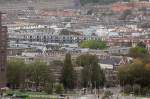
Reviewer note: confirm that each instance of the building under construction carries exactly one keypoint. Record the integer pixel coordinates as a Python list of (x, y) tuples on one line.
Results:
[(3, 53)]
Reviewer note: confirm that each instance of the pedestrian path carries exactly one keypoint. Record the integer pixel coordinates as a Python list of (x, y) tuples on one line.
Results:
[(128, 97), (89, 96)]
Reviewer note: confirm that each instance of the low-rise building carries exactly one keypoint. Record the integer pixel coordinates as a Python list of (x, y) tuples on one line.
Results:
[(110, 65)]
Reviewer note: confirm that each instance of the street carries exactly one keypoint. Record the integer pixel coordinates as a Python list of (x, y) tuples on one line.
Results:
[(84, 97), (96, 97)]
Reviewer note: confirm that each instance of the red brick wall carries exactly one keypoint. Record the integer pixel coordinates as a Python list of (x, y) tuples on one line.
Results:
[(121, 7)]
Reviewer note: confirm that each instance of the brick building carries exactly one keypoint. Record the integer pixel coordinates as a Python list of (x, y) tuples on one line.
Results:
[(123, 6), (3, 53)]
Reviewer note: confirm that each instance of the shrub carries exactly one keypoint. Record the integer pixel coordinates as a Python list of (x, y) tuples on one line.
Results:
[(145, 91), (49, 88), (127, 89), (107, 94), (136, 89), (59, 89)]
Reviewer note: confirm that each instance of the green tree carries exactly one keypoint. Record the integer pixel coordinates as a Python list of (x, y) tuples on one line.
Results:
[(91, 73), (136, 89), (20, 75), (138, 52), (39, 74), (68, 73), (48, 88), (128, 89), (107, 95), (59, 89), (16, 73), (83, 60), (83, 2), (98, 76), (102, 2), (93, 44), (141, 44), (86, 76), (136, 73), (55, 68), (125, 14), (145, 25)]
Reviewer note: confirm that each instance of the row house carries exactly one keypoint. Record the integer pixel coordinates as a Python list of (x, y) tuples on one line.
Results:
[(119, 41), (110, 65), (51, 38), (26, 26), (123, 6), (63, 13)]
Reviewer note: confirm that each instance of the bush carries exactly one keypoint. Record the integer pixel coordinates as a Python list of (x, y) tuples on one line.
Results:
[(49, 88), (107, 94), (93, 44), (127, 89), (136, 89), (145, 91), (59, 89)]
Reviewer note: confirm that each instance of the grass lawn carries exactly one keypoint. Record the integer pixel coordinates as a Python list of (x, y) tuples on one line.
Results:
[(17, 92), (29, 95), (41, 98)]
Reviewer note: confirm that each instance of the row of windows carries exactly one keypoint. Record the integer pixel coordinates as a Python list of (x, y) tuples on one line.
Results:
[(45, 39), (58, 37)]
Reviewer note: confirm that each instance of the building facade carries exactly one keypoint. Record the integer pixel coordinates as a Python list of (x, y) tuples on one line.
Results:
[(3, 53)]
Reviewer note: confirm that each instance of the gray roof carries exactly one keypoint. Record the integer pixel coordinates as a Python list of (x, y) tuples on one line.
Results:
[(110, 60)]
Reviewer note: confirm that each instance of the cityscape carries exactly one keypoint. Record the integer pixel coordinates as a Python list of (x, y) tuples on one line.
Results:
[(74, 49)]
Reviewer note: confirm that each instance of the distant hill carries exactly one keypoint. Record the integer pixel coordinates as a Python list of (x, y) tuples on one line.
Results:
[(36, 3), (83, 2)]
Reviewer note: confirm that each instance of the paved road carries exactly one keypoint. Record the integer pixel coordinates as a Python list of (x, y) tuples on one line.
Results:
[(114, 97), (89, 97), (84, 97), (95, 97)]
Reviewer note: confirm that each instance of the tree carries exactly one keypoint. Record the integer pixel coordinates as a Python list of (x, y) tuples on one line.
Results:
[(49, 88), (141, 44), (107, 95), (136, 73), (59, 89), (136, 89), (39, 74), (16, 73), (20, 75), (83, 60), (68, 73), (98, 77), (93, 44), (91, 73), (145, 25), (128, 88), (86, 76), (125, 14), (138, 52), (83, 2)]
